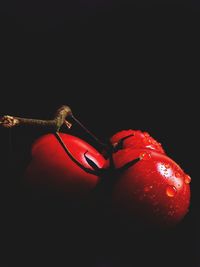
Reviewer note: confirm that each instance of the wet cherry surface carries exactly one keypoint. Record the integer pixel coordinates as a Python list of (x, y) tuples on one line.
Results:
[(154, 187)]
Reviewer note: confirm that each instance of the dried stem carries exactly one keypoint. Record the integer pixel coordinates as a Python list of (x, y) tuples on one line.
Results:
[(8, 121), (54, 125)]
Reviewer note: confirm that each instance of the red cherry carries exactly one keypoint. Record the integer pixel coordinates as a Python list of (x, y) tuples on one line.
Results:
[(154, 189), (52, 168), (136, 139)]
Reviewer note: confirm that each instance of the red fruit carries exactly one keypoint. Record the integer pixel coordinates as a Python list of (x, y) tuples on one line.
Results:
[(136, 139), (52, 168), (154, 189)]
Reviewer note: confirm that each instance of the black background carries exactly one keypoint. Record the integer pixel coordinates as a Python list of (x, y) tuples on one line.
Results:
[(118, 65)]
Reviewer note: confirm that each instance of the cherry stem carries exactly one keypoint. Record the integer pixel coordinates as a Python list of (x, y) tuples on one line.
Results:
[(54, 125), (8, 121), (71, 156), (89, 132)]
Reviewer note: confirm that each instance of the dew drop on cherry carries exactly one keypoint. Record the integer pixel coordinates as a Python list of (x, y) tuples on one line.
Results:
[(167, 166), (177, 174), (145, 155), (146, 134), (171, 191), (146, 140), (187, 179)]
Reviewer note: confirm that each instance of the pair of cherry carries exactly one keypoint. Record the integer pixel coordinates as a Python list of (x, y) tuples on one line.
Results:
[(144, 182)]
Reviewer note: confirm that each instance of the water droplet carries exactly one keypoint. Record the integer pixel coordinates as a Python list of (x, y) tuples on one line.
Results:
[(171, 191), (145, 155), (177, 174), (187, 179), (166, 165), (148, 188)]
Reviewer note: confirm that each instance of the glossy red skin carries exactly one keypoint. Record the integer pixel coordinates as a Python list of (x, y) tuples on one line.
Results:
[(52, 168), (141, 189), (139, 140)]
